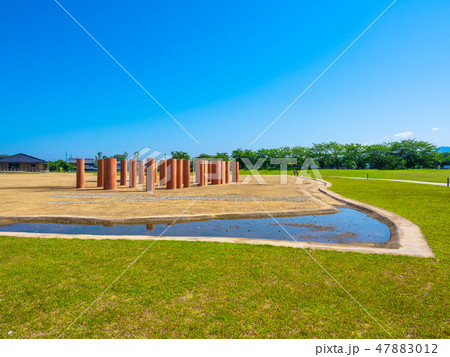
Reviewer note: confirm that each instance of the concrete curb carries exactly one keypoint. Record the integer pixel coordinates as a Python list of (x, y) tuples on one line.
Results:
[(162, 219)]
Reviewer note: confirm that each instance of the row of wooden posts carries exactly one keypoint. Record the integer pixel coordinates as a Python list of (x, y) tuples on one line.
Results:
[(173, 173)]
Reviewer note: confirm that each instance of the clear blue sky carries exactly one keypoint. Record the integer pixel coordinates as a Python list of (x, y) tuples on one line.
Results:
[(225, 70)]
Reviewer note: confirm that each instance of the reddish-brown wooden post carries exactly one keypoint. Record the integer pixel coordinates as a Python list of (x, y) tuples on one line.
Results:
[(235, 172), (133, 164), (80, 173), (155, 172), (110, 174), (162, 172), (202, 173), (150, 175), (222, 178), (227, 172), (141, 172), (123, 172), (100, 173), (187, 173), (171, 174), (214, 173), (196, 168), (210, 171), (179, 173)]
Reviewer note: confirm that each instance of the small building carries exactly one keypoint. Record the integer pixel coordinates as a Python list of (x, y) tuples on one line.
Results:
[(23, 162), (89, 164)]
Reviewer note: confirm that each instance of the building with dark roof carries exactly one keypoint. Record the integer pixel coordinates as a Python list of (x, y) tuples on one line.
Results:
[(23, 162)]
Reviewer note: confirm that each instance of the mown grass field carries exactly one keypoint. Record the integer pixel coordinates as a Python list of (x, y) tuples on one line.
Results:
[(426, 175), (214, 290)]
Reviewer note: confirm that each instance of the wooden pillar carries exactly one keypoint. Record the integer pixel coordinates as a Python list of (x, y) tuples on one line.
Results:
[(123, 172), (80, 173), (235, 172), (186, 173), (227, 172), (110, 174), (162, 172), (100, 173), (196, 168), (222, 176), (171, 172), (132, 167), (179, 173), (141, 172), (216, 172), (151, 163), (202, 173), (210, 171)]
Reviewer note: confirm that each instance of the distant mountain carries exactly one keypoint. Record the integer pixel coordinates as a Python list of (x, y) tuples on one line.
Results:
[(444, 149)]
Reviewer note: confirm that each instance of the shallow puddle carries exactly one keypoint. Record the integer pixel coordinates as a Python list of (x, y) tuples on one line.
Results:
[(346, 226)]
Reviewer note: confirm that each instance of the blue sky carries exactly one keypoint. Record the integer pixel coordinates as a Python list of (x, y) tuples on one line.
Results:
[(224, 70)]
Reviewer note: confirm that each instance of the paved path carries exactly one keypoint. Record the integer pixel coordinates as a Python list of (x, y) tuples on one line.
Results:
[(421, 182)]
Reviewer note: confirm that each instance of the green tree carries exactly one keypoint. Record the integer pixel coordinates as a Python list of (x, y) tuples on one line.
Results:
[(354, 156), (180, 155), (60, 166), (120, 157), (205, 156), (223, 155), (301, 154), (445, 159)]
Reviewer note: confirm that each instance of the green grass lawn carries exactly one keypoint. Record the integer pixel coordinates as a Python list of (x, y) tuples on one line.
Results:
[(427, 175), (214, 290)]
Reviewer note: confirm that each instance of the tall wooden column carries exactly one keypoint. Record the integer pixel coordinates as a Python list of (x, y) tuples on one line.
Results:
[(80, 173), (151, 163), (179, 173), (210, 171), (162, 172), (171, 173), (187, 173), (109, 174), (123, 172), (132, 166), (202, 173), (235, 172), (100, 173), (227, 172), (196, 168), (141, 172)]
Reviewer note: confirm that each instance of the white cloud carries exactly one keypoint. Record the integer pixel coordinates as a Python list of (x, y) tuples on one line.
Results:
[(404, 134), (435, 129)]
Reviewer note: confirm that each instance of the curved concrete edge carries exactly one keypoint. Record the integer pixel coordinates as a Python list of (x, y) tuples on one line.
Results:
[(162, 219), (406, 237), (279, 243)]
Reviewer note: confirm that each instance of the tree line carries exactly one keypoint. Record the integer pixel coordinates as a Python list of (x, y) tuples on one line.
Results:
[(405, 154)]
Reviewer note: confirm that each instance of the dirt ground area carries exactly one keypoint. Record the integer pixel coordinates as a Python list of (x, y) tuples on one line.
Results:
[(54, 195)]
